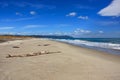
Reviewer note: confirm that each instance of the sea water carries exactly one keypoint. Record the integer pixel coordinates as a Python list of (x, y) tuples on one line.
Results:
[(110, 45)]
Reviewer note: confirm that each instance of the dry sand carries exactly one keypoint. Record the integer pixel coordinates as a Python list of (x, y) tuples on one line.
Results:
[(73, 63)]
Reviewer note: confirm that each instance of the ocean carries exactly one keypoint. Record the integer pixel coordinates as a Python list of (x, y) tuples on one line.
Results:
[(109, 45)]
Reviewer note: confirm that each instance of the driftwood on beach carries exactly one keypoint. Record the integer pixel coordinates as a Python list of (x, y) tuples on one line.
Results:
[(31, 54)]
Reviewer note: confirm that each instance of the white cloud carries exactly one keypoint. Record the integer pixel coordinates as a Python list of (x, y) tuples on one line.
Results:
[(62, 25), (108, 23), (34, 26), (83, 17), (58, 33), (111, 10), (32, 12), (19, 19), (81, 31), (18, 13), (26, 4), (101, 32), (6, 28), (72, 14)]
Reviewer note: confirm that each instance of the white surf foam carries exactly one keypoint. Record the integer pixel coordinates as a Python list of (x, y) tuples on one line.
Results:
[(93, 44)]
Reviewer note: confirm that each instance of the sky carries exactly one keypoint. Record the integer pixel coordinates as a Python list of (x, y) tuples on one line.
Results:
[(78, 18)]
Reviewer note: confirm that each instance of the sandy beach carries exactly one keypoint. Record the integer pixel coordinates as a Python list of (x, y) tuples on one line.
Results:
[(71, 63)]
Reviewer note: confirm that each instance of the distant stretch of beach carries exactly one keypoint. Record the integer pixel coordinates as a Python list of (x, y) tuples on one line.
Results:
[(42, 59)]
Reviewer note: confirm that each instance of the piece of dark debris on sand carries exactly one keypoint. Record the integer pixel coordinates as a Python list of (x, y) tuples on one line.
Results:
[(39, 45), (16, 47), (46, 44)]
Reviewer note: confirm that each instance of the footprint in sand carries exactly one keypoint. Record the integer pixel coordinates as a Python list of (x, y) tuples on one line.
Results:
[(44, 45)]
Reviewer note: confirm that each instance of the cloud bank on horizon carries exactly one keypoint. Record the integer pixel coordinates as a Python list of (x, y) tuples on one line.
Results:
[(111, 10)]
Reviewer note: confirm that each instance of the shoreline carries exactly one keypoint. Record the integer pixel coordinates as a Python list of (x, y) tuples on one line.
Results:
[(106, 50), (100, 53), (71, 63)]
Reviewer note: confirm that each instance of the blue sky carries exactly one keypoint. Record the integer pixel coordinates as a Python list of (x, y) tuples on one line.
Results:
[(79, 18)]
